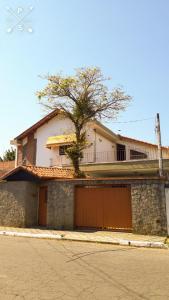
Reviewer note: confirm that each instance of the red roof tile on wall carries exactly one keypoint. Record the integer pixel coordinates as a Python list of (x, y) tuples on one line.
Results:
[(41, 172)]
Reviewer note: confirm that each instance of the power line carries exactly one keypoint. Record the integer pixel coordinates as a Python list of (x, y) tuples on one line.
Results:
[(134, 121)]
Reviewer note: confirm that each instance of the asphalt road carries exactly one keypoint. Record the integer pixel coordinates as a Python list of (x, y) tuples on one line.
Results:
[(48, 269)]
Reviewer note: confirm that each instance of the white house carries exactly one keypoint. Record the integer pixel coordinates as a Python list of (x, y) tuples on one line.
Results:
[(43, 144)]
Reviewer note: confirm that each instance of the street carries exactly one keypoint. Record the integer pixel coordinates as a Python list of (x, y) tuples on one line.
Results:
[(48, 269)]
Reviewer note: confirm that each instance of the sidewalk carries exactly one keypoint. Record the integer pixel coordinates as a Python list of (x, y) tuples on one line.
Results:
[(116, 238)]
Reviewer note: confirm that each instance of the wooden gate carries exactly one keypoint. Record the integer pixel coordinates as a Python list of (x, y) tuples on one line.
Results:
[(42, 214), (103, 207)]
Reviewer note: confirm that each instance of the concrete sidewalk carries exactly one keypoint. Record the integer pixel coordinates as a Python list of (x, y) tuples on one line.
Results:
[(107, 237)]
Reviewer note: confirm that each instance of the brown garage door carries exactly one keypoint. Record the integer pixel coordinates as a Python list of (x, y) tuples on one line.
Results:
[(103, 207)]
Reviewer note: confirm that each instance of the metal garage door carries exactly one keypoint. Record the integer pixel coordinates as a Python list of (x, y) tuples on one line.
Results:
[(103, 207)]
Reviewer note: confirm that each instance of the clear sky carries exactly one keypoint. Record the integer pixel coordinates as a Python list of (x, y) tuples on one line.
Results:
[(127, 39)]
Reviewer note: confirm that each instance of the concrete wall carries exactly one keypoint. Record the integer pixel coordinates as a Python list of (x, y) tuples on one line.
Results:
[(18, 204), (147, 196)]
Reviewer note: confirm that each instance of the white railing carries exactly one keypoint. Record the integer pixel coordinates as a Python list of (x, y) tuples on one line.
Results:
[(107, 157)]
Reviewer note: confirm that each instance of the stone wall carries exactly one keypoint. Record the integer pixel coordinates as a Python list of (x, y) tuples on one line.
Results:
[(60, 210), (147, 197), (18, 204), (31, 204), (149, 208)]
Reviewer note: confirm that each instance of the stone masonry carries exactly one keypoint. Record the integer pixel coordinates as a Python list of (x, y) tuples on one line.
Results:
[(60, 211), (18, 204), (149, 208), (147, 198)]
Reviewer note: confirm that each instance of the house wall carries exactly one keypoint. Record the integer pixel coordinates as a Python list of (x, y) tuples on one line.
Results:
[(27, 156), (56, 126), (148, 204), (18, 204), (19, 155), (105, 149), (59, 126), (151, 151), (31, 150)]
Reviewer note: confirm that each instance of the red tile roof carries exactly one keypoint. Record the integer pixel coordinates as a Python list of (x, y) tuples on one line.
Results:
[(41, 172)]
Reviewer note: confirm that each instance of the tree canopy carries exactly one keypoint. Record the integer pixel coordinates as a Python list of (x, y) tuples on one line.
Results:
[(82, 98), (8, 155)]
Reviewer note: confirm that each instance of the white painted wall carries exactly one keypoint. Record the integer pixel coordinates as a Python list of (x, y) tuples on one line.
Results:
[(167, 207), (59, 126), (151, 151), (56, 126)]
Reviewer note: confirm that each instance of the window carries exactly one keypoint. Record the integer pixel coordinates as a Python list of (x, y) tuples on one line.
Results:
[(137, 155), (62, 149), (121, 152)]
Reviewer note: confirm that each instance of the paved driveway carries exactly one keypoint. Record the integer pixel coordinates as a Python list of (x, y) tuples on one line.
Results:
[(48, 269)]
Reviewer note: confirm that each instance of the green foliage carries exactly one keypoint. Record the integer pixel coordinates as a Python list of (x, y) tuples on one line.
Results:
[(75, 153), (9, 155), (82, 98)]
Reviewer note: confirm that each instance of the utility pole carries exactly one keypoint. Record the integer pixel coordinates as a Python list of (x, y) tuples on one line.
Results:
[(160, 158)]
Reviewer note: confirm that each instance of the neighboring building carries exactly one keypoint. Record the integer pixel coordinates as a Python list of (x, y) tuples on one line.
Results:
[(44, 144), (6, 166)]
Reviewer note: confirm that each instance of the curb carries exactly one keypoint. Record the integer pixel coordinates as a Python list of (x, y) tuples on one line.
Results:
[(31, 235), (155, 245), (121, 242)]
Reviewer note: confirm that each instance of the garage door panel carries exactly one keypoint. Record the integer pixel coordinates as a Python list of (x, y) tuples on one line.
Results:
[(103, 207), (117, 208), (88, 208)]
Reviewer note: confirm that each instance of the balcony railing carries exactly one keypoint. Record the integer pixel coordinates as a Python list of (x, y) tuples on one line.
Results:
[(106, 157)]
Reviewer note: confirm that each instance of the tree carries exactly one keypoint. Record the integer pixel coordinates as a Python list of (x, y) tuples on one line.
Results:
[(82, 98), (9, 155)]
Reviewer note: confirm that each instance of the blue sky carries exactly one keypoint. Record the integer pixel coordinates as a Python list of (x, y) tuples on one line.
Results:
[(127, 39)]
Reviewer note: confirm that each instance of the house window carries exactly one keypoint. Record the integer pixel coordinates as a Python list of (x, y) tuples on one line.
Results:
[(62, 149), (137, 155), (121, 152)]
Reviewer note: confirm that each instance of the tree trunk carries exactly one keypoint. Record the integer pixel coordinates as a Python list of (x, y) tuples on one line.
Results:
[(77, 172), (77, 158)]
